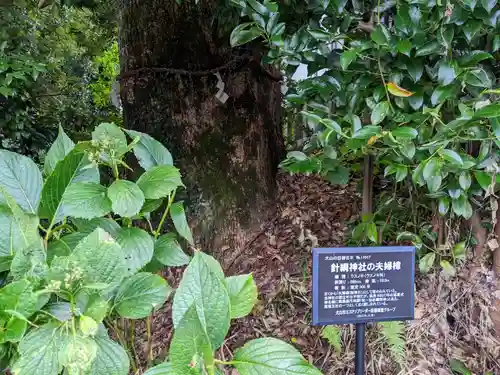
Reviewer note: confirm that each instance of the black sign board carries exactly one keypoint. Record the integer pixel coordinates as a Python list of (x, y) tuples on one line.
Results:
[(363, 284)]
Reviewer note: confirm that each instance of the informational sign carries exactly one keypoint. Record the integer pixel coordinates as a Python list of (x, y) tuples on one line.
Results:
[(363, 284)]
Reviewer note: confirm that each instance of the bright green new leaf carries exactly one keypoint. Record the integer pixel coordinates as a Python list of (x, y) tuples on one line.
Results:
[(203, 287), (427, 262), (85, 200), (126, 198), (21, 179), (141, 294), (137, 248), (245, 33), (58, 151), (111, 139), (111, 358), (88, 326), (448, 271), (458, 367), (242, 294), (180, 222), (271, 356), (149, 152), (160, 181), (459, 251), (333, 335), (331, 124), (168, 251), (347, 57), (451, 156), (379, 113)]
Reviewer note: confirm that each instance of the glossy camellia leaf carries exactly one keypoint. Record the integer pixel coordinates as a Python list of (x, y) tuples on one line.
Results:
[(428, 48), (398, 91), (446, 73), (367, 132), (21, 179), (489, 4), (180, 222), (405, 132), (110, 359), (434, 183), (242, 294), (347, 57), (160, 181), (168, 251), (149, 152), (244, 33), (404, 46), (58, 151), (379, 113), (484, 179), (86, 200), (465, 180), (203, 287), (111, 139), (490, 111), (271, 356), (73, 168), (137, 247), (451, 156), (140, 294), (39, 351), (126, 198)]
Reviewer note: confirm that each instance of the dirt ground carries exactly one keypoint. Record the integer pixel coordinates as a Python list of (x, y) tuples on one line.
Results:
[(452, 316)]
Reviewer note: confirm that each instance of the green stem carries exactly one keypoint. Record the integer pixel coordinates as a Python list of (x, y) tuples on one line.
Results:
[(164, 216)]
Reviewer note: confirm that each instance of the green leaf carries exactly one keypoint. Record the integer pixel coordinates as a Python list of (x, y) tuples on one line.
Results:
[(160, 181), (429, 48), (405, 132), (242, 295), (408, 149), (434, 183), (441, 93), (459, 251), (70, 170), (484, 179), (245, 33), (371, 232), (126, 198), (431, 168), (258, 7), (202, 286), (111, 139), (474, 57), (459, 204), (489, 111), (451, 156), (488, 4), (446, 73), (140, 294), (367, 132), (444, 205), (149, 152), (21, 179), (298, 155), (100, 258), (180, 222), (447, 35), (111, 358), (97, 308), (415, 69), (458, 367), (347, 57), (338, 176), (332, 334), (401, 173), (331, 124), (426, 262), (404, 46), (448, 270), (168, 251), (85, 200), (18, 230), (379, 113), (165, 368), (88, 226), (58, 151), (416, 101), (20, 297), (471, 29), (29, 262), (465, 180), (137, 248), (39, 351), (271, 356), (379, 35), (88, 326), (14, 330)]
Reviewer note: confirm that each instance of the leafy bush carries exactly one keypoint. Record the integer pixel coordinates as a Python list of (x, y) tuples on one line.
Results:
[(411, 84), (60, 291)]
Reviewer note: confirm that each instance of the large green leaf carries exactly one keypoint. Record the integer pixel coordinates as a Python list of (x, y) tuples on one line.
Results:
[(379, 113), (86, 200), (149, 152), (405, 132), (140, 294), (64, 245), (273, 357), (452, 156), (18, 296), (126, 198), (180, 222), (77, 353), (137, 248), (88, 226), (29, 262), (14, 330), (21, 179), (111, 358), (73, 168), (39, 351), (202, 286), (242, 295), (58, 151), (100, 259), (245, 33), (111, 139), (490, 111), (446, 73), (367, 132), (168, 251), (17, 229), (160, 181)]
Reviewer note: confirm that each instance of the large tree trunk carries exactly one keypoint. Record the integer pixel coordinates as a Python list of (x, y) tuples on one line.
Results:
[(228, 152)]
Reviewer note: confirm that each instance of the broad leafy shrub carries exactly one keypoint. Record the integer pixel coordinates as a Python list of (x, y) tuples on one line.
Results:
[(72, 265)]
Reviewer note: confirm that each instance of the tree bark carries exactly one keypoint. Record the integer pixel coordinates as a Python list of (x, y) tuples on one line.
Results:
[(228, 152)]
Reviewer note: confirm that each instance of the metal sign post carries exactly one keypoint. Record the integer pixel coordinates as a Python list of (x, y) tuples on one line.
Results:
[(359, 285)]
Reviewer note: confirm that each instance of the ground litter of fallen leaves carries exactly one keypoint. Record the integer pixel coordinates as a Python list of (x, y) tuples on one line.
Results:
[(452, 319)]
